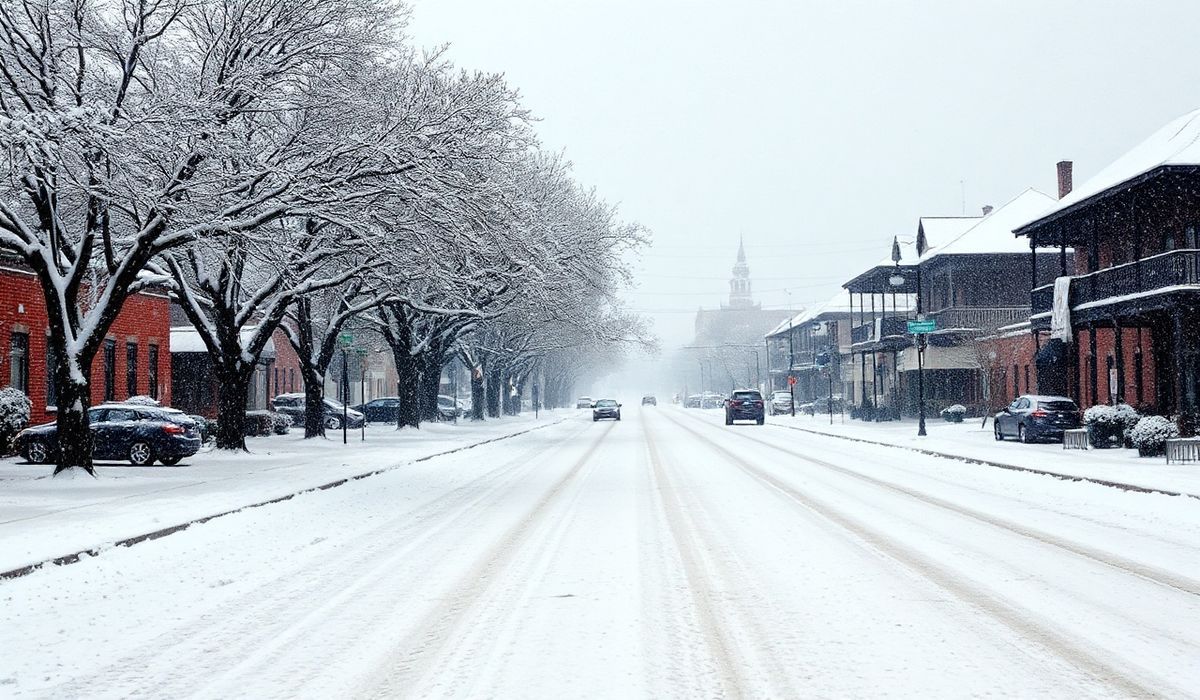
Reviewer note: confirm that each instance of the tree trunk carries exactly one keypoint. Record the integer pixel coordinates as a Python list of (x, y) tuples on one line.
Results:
[(431, 381), (232, 386), (477, 393), (493, 391), (408, 389), (74, 434), (314, 401)]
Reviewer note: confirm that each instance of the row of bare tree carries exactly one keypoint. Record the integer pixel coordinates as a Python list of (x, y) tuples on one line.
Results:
[(298, 166)]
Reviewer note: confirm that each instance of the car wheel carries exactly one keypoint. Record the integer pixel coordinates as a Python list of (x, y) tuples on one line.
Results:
[(333, 423), (141, 454), (170, 461), (996, 430), (37, 453), (594, 419), (1022, 435)]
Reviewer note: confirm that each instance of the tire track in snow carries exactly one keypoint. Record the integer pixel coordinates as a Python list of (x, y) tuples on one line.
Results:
[(1018, 620), (282, 607), (701, 571), (1150, 573), (412, 656)]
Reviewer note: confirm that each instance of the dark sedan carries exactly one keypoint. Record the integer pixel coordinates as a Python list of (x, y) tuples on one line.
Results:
[(381, 410), (140, 434), (744, 404), (606, 408), (1032, 418)]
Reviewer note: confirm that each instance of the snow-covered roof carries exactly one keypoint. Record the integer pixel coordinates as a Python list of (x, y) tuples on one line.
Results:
[(940, 230), (993, 233), (837, 304), (785, 324), (1176, 144), (187, 339)]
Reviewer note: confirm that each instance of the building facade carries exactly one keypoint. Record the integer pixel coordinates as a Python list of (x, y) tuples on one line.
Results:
[(133, 360)]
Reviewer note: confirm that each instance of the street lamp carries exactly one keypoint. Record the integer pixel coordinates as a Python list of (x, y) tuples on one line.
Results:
[(896, 280), (791, 355)]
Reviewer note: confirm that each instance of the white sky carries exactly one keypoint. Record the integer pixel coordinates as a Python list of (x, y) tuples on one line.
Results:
[(819, 129)]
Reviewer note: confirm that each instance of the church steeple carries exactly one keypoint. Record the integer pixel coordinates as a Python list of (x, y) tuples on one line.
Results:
[(739, 285)]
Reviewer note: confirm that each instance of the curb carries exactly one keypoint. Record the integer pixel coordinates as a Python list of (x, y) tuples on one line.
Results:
[(1000, 465), (77, 556)]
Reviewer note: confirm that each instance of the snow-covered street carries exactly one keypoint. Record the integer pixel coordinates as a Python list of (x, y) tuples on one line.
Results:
[(664, 555)]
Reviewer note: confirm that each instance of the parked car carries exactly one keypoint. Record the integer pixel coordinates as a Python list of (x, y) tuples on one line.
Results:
[(712, 401), (293, 405), (649, 401), (606, 408), (693, 401), (380, 410), (138, 433), (1031, 418), (781, 402), (744, 404), (449, 407), (584, 402)]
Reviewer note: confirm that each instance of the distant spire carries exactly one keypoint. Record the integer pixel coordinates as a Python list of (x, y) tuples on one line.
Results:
[(896, 255), (739, 285), (741, 249)]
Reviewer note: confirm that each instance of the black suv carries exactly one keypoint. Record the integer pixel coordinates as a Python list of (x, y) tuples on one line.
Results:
[(1031, 418), (140, 434), (744, 404)]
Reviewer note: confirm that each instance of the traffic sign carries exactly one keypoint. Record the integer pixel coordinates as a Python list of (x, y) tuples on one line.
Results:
[(791, 381), (345, 339), (918, 327)]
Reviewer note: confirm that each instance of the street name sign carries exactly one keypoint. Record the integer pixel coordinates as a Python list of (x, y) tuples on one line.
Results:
[(918, 327)]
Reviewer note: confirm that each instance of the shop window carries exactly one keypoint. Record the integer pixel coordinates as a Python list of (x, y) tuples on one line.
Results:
[(131, 360), (152, 369), (18, 371), (110, 369)]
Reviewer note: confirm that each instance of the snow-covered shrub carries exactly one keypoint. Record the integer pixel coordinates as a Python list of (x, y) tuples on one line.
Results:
[(1106, 425), (954, 413), (143, 400), (280, 423), (1151, 433), (15, 408)]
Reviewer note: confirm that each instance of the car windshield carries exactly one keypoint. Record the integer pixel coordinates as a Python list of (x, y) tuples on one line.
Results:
[(1057, 405), (747, 396), (606, 403)]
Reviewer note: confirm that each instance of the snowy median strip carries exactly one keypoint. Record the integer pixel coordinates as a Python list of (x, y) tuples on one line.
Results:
[(1001, 465), (81, 554)]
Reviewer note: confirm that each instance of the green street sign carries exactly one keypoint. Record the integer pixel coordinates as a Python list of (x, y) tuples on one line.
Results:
[(918, 327), (345, 339)]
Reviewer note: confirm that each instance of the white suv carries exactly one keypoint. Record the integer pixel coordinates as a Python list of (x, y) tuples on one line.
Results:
[(781, 402)]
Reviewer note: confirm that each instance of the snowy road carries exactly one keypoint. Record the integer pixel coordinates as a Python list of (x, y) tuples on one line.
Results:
[(666, 555)]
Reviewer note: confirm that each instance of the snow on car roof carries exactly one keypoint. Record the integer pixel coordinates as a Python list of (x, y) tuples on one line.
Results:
[(1176, 144)]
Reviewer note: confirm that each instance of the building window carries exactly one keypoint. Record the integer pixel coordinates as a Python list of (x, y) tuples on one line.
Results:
[(18, 372), (292, 379), (277, 381), (152, 369), (1190, 236), (51, 370), (1137, 375), (110, 369), (1016, 382), (131, 369), (1026, 379)]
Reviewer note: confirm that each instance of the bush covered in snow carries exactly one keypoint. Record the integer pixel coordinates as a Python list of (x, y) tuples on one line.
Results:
[(954, 413), (281, 423), (15, 408), (142, 400), (1107, 425), (1151, 433)]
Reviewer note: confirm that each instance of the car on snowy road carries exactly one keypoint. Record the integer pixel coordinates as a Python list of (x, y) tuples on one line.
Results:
[(293, 405), (606, 409), (744, 404), (781, 402), (649, 401), (585, 402), (1031, 418), (140, 434)]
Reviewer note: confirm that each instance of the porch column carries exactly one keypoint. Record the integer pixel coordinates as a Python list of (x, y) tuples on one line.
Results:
[(1119, 352), (1093, 367), (1062, 250)]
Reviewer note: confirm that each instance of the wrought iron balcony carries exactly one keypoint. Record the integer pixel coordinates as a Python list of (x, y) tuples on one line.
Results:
[(1158, 272), (889, 326), (982, 318)]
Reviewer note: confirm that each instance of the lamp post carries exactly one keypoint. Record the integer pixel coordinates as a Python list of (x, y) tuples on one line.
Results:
[(791, 354), (898, 280)]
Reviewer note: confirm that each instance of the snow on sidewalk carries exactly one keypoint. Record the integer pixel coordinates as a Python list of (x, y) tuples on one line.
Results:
[(971, 441), (43, 517)]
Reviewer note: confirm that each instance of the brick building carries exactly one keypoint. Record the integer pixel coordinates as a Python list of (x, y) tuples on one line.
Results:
[(135, 357)]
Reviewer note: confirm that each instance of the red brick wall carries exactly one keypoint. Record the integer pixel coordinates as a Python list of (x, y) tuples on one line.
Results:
[(285, 373), (1105, 347), (143, 321), (1011, 351)]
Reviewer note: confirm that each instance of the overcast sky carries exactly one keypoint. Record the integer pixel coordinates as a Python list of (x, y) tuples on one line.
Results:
[(818, 130)]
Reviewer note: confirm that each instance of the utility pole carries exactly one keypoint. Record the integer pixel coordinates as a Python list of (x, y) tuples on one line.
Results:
[(920, 362)]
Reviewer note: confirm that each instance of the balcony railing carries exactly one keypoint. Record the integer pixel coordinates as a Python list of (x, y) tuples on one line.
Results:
[(984, 318), (1179, 267), (892, 325)]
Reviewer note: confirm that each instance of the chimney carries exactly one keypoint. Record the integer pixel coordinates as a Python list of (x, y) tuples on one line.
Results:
[(1064, 178), (987, 209)]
